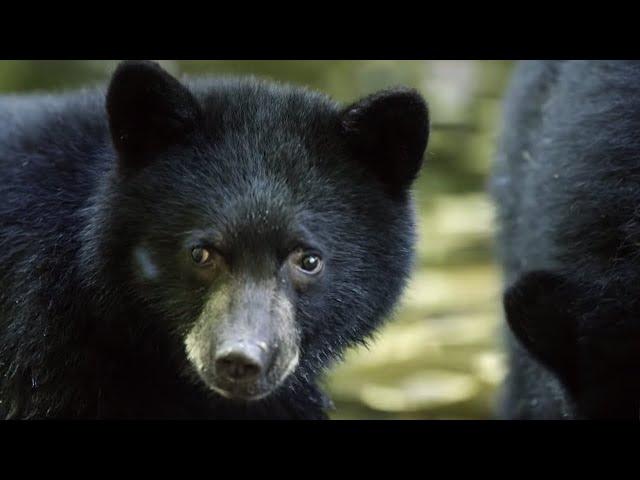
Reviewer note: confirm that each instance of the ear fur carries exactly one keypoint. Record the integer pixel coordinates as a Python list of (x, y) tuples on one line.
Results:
[(148, 110), (388, 132)]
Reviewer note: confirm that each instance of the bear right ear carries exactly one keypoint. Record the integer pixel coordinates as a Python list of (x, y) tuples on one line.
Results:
[(540, 309), (387, 132), (148, 110)]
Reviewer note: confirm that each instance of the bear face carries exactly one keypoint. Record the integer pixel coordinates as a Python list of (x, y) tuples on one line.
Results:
[(588, 336), (263, 228)]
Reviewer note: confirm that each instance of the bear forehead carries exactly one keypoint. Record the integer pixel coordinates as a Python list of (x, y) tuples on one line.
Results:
[(252, 102)]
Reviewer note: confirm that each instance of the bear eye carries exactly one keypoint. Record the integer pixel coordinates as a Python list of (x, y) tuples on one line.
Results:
[(310, 263), (200, 255)]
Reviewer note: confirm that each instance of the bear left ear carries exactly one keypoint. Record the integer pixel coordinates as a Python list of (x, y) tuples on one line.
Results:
[(148, 110), (388, 132)]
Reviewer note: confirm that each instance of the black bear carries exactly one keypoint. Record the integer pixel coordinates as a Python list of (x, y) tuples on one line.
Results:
[(197, 249), (567, 188)]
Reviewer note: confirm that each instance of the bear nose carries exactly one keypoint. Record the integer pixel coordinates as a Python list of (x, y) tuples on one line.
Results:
[(240, 362)]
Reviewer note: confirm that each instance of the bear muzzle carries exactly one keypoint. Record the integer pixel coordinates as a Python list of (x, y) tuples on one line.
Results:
[(246, 342)]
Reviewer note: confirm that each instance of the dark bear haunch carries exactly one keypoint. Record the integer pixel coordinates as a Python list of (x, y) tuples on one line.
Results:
[(197, 250), (588, 337), (567, 189)]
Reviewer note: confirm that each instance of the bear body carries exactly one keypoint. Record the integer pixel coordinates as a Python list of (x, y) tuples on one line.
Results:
[(567, 188), (141, 234)]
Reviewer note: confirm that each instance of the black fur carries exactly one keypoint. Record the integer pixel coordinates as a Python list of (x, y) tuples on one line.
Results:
[(588, 338), (566, 184), (81, 335)]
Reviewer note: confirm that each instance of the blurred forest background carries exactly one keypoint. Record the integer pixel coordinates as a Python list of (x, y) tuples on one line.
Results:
[(440, 356)]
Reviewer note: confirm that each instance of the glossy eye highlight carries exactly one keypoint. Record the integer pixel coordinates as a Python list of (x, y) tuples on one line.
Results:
[(306, 262), (200, 256), (310, 263)]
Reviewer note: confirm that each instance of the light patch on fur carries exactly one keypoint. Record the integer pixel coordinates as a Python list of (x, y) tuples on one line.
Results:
[(198, 342), (143, 259), (292, 365), (289, 336)]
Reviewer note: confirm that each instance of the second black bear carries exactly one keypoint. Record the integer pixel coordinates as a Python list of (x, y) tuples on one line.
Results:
[(202, 249), (567, 188)]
